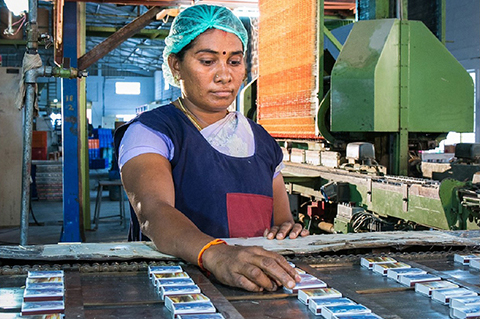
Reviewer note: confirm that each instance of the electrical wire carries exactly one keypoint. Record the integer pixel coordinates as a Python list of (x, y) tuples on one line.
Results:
[(364, 221)]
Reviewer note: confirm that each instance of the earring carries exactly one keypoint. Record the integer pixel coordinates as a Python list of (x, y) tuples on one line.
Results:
[(176, 79)]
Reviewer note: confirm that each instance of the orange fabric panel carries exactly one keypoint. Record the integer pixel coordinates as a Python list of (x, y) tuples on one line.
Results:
[(287, 84)]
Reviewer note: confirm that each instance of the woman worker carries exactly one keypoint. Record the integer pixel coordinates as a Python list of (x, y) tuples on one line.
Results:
[(195, 172)]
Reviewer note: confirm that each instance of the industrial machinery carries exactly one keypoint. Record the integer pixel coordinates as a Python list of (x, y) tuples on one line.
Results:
[(352, 129)]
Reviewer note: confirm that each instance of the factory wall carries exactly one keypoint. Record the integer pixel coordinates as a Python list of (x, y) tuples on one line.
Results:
[(463, 41), (107, 104), (164, 93)]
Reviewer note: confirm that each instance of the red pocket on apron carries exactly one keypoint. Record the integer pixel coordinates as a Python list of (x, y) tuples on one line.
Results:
[(248, 214)]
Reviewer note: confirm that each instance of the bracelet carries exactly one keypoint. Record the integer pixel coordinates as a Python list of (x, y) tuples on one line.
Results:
[(208, 245)]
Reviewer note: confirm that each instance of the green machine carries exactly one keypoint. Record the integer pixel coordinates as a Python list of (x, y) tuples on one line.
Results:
[(395, 89), (395, 78)]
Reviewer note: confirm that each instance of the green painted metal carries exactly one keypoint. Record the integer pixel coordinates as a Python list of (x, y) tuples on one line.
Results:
[(364, 80), (429, 204), (388, 64), (440, 212), (320, 47), (342, 225), (382, 9), (323, 110), (443, 20), (391, 76), (403, 9), (458, 216), (440, 88), (401, 160)]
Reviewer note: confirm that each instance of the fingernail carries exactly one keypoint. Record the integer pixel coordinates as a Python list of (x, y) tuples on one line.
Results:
[(290, 284), (274, 286)]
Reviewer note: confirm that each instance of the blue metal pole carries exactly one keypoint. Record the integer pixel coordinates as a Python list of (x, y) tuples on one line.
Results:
[(70, 132)]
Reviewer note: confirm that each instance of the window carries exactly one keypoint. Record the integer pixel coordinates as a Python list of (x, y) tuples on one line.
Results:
[(130, 88)]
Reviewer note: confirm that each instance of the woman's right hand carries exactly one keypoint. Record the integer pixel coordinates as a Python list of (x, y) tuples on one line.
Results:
[(249, 267)]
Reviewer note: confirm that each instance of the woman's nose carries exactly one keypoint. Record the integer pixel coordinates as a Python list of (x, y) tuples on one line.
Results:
[(223, 74)]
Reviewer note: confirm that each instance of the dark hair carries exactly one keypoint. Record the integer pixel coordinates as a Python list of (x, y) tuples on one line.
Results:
[(181, 54)]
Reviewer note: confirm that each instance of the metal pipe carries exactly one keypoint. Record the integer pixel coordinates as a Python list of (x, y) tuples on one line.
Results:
[(30, 80)]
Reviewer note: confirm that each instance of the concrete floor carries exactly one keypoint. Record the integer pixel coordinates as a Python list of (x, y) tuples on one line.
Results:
[(49, 215)]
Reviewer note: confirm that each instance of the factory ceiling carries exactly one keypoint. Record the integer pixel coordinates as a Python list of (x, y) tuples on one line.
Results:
[(141, 54)]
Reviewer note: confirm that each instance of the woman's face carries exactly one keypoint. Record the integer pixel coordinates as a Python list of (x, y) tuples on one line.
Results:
[(212, 70)]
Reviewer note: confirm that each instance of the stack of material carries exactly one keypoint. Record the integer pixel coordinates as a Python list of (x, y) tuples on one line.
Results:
[(182, 297), (44, 294), (48, 179), (288, 67)]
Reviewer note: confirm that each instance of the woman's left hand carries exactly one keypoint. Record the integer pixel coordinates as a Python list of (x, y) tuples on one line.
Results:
[(293, 230)]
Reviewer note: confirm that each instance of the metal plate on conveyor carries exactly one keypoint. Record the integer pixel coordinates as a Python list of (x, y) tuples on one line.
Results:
[(306, 245), (130, 294)]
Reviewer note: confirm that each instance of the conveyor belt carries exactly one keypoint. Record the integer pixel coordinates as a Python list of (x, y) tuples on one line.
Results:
[(123, 290)]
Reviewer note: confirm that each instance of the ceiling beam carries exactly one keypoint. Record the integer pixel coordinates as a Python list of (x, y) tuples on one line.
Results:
[(105, 32), (118, 37)]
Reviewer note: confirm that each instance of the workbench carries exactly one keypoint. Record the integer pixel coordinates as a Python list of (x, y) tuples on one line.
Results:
[(111, 280)]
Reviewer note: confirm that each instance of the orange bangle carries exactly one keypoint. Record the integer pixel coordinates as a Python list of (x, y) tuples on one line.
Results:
[(208, 245)]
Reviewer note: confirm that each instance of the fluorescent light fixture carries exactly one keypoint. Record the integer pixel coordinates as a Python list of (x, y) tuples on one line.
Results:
[(18, 7), (127, 88), (125, 117), (246, 12)]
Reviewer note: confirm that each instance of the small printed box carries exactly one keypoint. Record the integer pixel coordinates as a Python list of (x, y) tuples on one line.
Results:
[(163, 269), (190, 298), (397, 272), (469, 312), (368, 262), (43, 294), (465, 259), (458, 302), (382, 268), (426, 288), (174, 282), (316, 305), (47, 316), (300, 271), (45, 285), (178, 290), (45, 274), (304, 295), (332, 312), (202, 316), (360, 316), (46, 281), (42, 307), (474, 263), (192, 308), (155, 277), (411, 280), (445, 295), (307, 281)]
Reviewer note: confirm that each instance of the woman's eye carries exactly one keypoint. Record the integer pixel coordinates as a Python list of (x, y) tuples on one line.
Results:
[(236, 62), (206, 62)]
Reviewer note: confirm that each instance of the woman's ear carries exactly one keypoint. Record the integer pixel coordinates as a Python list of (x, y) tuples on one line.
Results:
[(174, 64)]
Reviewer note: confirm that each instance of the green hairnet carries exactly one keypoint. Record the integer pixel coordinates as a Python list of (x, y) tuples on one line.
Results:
[(192, 22)]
